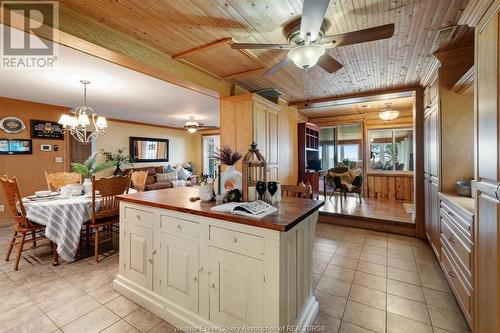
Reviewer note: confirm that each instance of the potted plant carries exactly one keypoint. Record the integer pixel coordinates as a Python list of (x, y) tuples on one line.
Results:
[(88, 168), (118, 159), (230, 178)]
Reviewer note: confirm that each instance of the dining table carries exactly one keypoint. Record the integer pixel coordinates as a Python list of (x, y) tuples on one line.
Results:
[(63, 218)]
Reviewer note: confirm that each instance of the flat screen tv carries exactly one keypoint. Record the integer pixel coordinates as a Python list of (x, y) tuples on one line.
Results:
[(313, 161), (15, 146)]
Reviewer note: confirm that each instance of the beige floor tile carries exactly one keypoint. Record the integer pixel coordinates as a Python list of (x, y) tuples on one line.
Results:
[(327, 323), (334, 286), (41, 324), (351, 253), (407, 265), (350, 245), (318, 267), (346, 327), (67, 312), (437, 282), (381, 251), (121, 327), (322, 257), (408, 308), (164, 327), (365, 316), (330, 304), (441, 299), (370, 281), (405, 290), (373, 258), (354, 237), (367, 296), (404, 276), (18, 316), (122, 306), (400, 253), (92, 322), (344, 261), (376, 241), (104, 294), (142, 319), (448, 320), (338, 272), (315, 279), (398, 324), (371, 268)]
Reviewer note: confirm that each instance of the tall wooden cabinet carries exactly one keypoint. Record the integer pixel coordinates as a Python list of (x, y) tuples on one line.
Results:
[(487, 227), (250, 117)]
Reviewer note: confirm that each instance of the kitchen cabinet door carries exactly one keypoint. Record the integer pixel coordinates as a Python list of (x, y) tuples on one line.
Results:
[(178, 267), (236, 289), (260, 128), (137, 254)]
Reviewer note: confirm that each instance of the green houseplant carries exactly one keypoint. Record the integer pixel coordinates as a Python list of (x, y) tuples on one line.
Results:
[(117, 159), (88, 168)]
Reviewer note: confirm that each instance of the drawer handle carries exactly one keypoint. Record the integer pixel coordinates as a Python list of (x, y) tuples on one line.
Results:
[(154, 252), (451, 214), (195, 278), (235, 239), (200, 269), (451, 240), (138, 217), (451, 274), (179, 227), (150, 261)]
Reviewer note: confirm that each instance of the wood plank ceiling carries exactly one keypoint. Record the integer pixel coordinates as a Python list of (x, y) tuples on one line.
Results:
[(175, 26)]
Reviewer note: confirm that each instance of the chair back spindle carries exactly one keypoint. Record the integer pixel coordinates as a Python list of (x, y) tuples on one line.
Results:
[(15, 202), (59, 179), (296, 191), (108, 189), (139, 179)]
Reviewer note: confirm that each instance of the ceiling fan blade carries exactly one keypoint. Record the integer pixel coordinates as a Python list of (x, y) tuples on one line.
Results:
[(313, 13), (360, 36), (208, 126), (277, 67), (329, 64), (261, 46)]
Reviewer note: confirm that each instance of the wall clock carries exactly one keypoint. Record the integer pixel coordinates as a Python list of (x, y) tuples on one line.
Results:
[(12, 125)]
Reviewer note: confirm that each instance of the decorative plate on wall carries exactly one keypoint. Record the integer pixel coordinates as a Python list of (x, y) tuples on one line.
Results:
[(12, 125)]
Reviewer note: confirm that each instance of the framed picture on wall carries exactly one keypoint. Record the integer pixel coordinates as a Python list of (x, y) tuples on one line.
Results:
[(15, 147), (43, 129), (11, 125)]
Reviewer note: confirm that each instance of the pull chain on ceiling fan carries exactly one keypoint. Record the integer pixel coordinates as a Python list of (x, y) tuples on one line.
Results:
[(307, 42)]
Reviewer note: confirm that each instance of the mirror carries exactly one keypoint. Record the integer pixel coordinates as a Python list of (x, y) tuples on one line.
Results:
[(148, 149)]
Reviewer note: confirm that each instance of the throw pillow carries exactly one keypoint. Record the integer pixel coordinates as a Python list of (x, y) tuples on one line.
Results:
[(165, 177), (183, 173), (168, 169)]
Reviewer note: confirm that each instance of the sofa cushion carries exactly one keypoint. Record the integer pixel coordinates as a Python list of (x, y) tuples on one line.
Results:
[(159, 186), (183, 174), (169, 176)]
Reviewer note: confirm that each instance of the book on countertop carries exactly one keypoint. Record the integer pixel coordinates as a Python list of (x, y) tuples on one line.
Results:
[(257, 209)]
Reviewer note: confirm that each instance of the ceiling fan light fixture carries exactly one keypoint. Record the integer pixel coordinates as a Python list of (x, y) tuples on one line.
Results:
[(388, 114), (192, 129), (306, 56)]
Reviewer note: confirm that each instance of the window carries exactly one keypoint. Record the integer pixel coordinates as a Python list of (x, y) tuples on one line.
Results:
[(210, 144), (391, 150)]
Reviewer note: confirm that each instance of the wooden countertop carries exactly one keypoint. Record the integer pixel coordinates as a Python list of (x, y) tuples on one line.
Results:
[(290, 213)]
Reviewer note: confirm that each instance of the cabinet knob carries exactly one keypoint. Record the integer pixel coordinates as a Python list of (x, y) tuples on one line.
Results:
[(179, 227), (235, 239), (138, 217), (451, 214), (451, 240), (450, 273), (154, 252), (200, 269), (150, 261), (212, 285), (195, 278)]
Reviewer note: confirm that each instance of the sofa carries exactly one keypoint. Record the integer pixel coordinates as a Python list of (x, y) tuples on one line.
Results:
[(152, 180)]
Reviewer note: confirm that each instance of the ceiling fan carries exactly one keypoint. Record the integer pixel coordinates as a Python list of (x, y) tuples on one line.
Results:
[(307, 41), (192, 125)]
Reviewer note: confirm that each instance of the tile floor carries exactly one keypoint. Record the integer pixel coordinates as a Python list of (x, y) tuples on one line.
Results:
[(365, 282)]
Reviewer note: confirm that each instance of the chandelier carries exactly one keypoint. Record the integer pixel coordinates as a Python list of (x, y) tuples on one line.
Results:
[(388, 113), (76, 124)]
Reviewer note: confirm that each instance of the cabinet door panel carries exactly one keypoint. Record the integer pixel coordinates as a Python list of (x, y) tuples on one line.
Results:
[(272, 141), (434, 211), (179, 258), (260, 128), (236, 289), (137, 254)]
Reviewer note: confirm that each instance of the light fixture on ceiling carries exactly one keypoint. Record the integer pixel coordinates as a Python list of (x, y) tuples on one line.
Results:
[(191, 125), (307, 55), (388, 113), (76, 124)]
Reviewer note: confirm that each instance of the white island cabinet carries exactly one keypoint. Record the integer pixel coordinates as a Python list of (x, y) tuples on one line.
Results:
[(197, 268)]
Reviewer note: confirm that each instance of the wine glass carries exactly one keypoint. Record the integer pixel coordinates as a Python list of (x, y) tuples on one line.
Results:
[(272, 187), (260, 187)]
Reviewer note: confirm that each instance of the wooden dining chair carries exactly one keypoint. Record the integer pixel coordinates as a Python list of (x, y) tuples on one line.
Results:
[(24, 229), (296, 191), (106, 208), (139, 179), (59, 179)]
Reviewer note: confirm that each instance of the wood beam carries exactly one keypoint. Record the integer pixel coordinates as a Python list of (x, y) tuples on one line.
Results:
[(465, 82), (203, 47), (353, 99), (245, 73), (473, 12)]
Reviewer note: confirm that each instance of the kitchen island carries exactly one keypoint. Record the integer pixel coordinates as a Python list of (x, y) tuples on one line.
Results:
[(203, 269)]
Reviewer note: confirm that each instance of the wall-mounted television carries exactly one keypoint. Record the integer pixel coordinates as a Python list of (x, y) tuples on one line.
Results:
[(15, 146)]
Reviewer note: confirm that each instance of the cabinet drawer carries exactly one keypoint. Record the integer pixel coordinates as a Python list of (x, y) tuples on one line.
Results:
[(139, 217), (457, 246), (461, 222), (179, 225), (462, 293), (237, 241)]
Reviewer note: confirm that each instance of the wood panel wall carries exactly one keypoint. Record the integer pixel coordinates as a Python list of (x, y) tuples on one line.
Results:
[(390, 187), (29, 169)]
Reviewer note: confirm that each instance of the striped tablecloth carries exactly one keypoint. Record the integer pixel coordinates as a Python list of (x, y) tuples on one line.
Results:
[(63, 219)]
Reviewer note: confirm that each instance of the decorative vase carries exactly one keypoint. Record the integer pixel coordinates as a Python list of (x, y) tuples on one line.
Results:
[(231, 179), (118, 171), (206, 192), (87, 185)]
